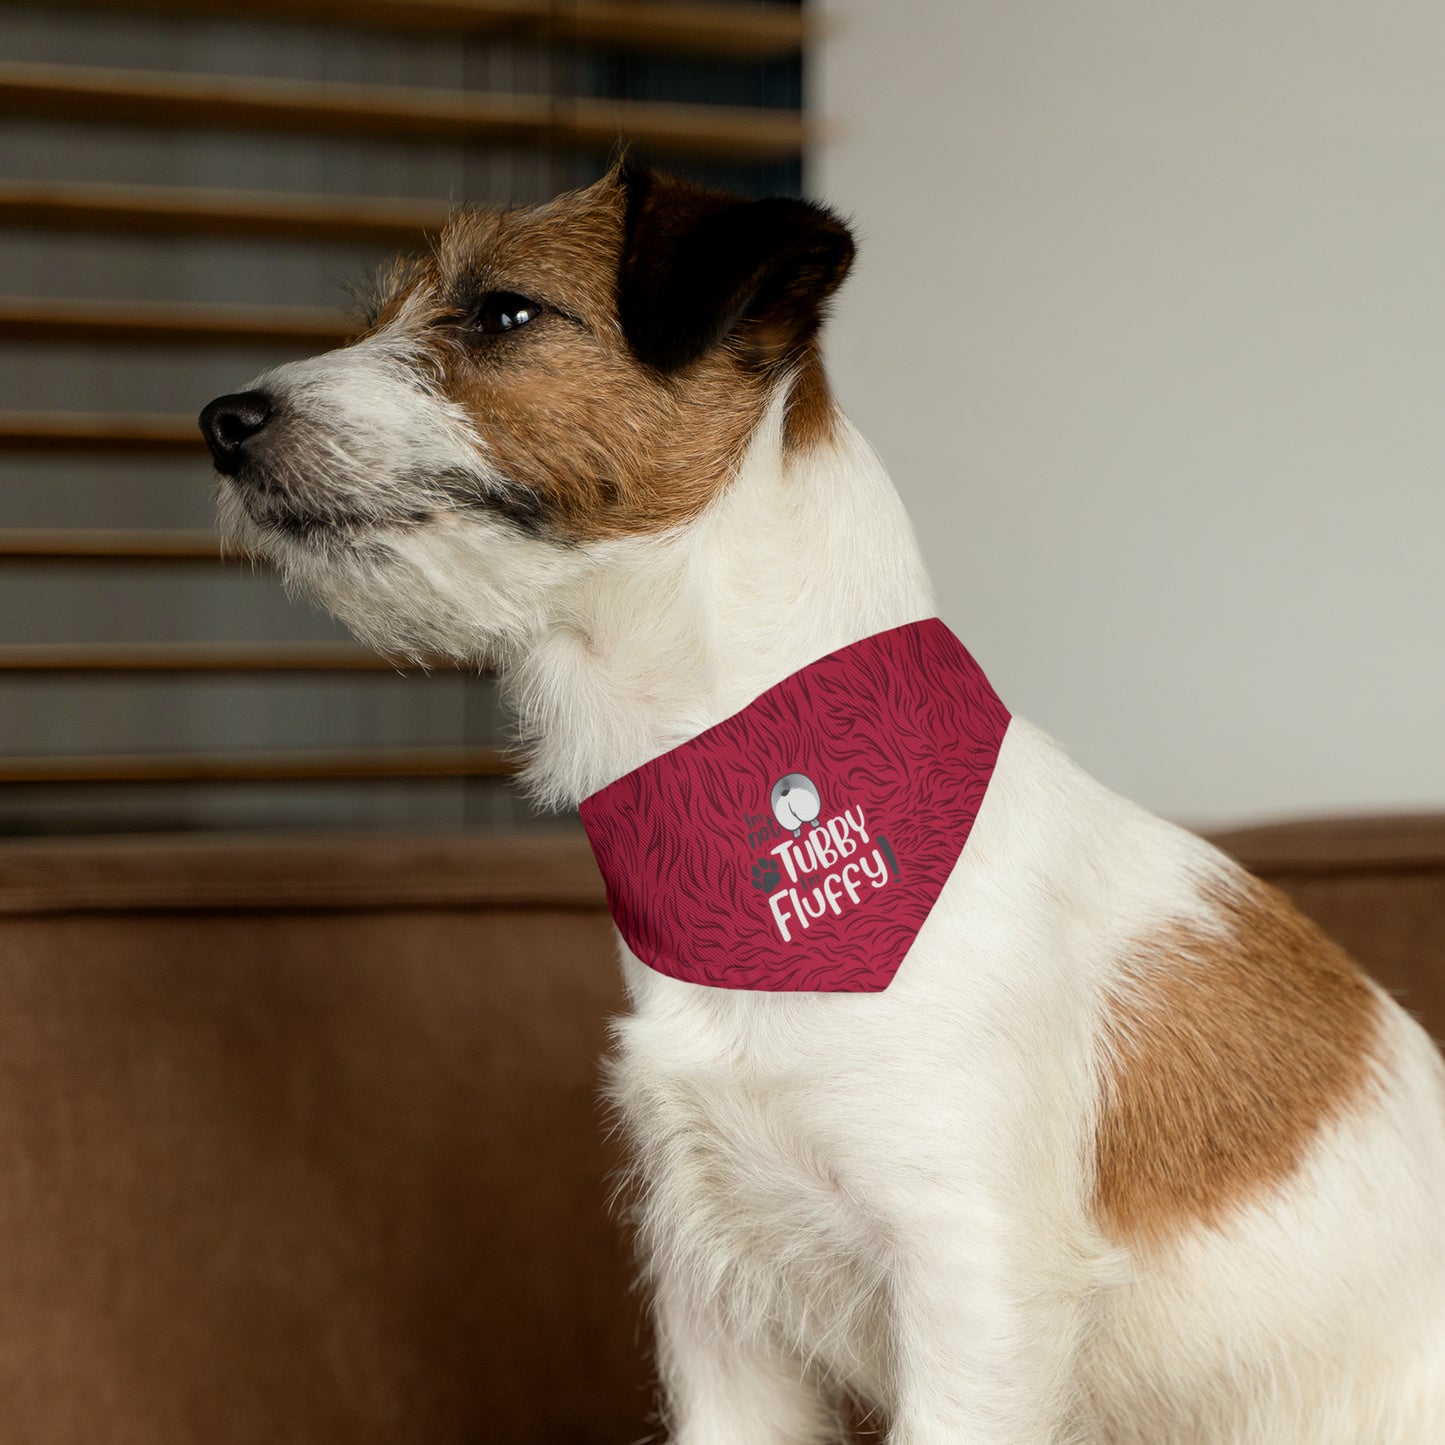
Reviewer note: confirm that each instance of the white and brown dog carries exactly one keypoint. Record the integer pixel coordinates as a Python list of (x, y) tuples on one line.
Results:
[(1128, 1152)]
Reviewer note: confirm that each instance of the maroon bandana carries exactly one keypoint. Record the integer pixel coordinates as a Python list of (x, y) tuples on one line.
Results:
[(800, 844)]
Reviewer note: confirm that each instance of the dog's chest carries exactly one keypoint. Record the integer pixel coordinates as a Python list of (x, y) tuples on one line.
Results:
[(744, 1184)]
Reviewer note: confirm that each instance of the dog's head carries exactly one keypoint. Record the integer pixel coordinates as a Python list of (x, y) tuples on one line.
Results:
[(547, 383)]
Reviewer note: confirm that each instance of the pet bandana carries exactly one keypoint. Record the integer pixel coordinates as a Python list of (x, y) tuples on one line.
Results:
[(800, 844)]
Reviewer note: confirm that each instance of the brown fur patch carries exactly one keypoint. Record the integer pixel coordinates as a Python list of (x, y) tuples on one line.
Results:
[(608, 446), (1226, 1054), (596, 443), (812, 413)]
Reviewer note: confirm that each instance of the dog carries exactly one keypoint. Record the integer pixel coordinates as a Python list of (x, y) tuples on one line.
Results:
[(1127, 1153)]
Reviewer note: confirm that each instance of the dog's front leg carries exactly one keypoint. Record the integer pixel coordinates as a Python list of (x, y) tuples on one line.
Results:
[(984, 1349), (722, 1387)]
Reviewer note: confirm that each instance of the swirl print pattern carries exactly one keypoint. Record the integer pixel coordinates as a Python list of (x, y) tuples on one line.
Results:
[(897, 737)]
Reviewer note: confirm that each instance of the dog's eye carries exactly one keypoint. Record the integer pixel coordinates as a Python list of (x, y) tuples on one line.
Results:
[(504, 311)]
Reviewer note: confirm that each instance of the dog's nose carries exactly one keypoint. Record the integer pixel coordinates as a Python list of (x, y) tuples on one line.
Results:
[(229, 422)]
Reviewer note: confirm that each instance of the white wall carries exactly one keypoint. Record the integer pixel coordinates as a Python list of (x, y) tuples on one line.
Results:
[(1149, 323)]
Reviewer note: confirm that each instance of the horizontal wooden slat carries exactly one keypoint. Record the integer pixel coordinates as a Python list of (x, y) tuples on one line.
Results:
[(75, 544), (752, 31), (219, 102), (259, 767), (83, 431), (131, 657), (700, 29), (171, 323), (174, 210)]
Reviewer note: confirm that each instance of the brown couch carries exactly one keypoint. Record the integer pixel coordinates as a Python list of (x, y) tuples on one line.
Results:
[(300, 1140)]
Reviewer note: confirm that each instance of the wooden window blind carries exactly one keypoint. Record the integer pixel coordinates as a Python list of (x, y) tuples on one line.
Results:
[(185, 188)]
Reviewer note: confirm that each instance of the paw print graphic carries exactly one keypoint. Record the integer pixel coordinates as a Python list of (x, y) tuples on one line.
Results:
[(766, 875)]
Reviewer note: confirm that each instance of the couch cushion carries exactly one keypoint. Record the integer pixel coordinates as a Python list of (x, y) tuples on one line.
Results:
[(302, 1142)]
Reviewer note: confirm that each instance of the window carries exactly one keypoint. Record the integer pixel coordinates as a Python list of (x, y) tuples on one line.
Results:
[(184, 195)]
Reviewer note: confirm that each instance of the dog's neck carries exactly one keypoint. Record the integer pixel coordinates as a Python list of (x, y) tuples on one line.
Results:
[(804, 553)]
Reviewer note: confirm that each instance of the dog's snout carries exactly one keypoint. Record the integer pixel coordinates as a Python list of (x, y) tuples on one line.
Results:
[(229, 422)]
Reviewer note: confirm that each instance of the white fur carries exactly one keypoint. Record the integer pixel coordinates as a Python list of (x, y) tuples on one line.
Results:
[(890, 1193)]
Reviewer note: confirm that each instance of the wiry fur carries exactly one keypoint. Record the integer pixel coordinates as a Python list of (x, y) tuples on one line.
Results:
[(896, 1195)]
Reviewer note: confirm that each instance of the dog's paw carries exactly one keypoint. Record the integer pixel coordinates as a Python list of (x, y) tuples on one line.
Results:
[(766, 875)]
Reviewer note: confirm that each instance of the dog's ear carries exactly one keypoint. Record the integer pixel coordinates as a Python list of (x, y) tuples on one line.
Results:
[(699, 266)]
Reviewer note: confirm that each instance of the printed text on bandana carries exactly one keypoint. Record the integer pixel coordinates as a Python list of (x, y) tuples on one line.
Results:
[(833, 866)]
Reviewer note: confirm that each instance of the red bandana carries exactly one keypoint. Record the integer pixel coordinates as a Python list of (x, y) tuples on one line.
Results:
[(800, 844)]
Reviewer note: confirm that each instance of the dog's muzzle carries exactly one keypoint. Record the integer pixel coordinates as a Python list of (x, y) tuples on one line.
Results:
[(230, 422)]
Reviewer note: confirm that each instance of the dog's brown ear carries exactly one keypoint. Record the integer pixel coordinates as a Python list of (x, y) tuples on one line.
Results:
[(699, 266)]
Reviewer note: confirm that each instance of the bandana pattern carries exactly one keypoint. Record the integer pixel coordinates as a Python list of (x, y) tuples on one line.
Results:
[(800, 844)]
